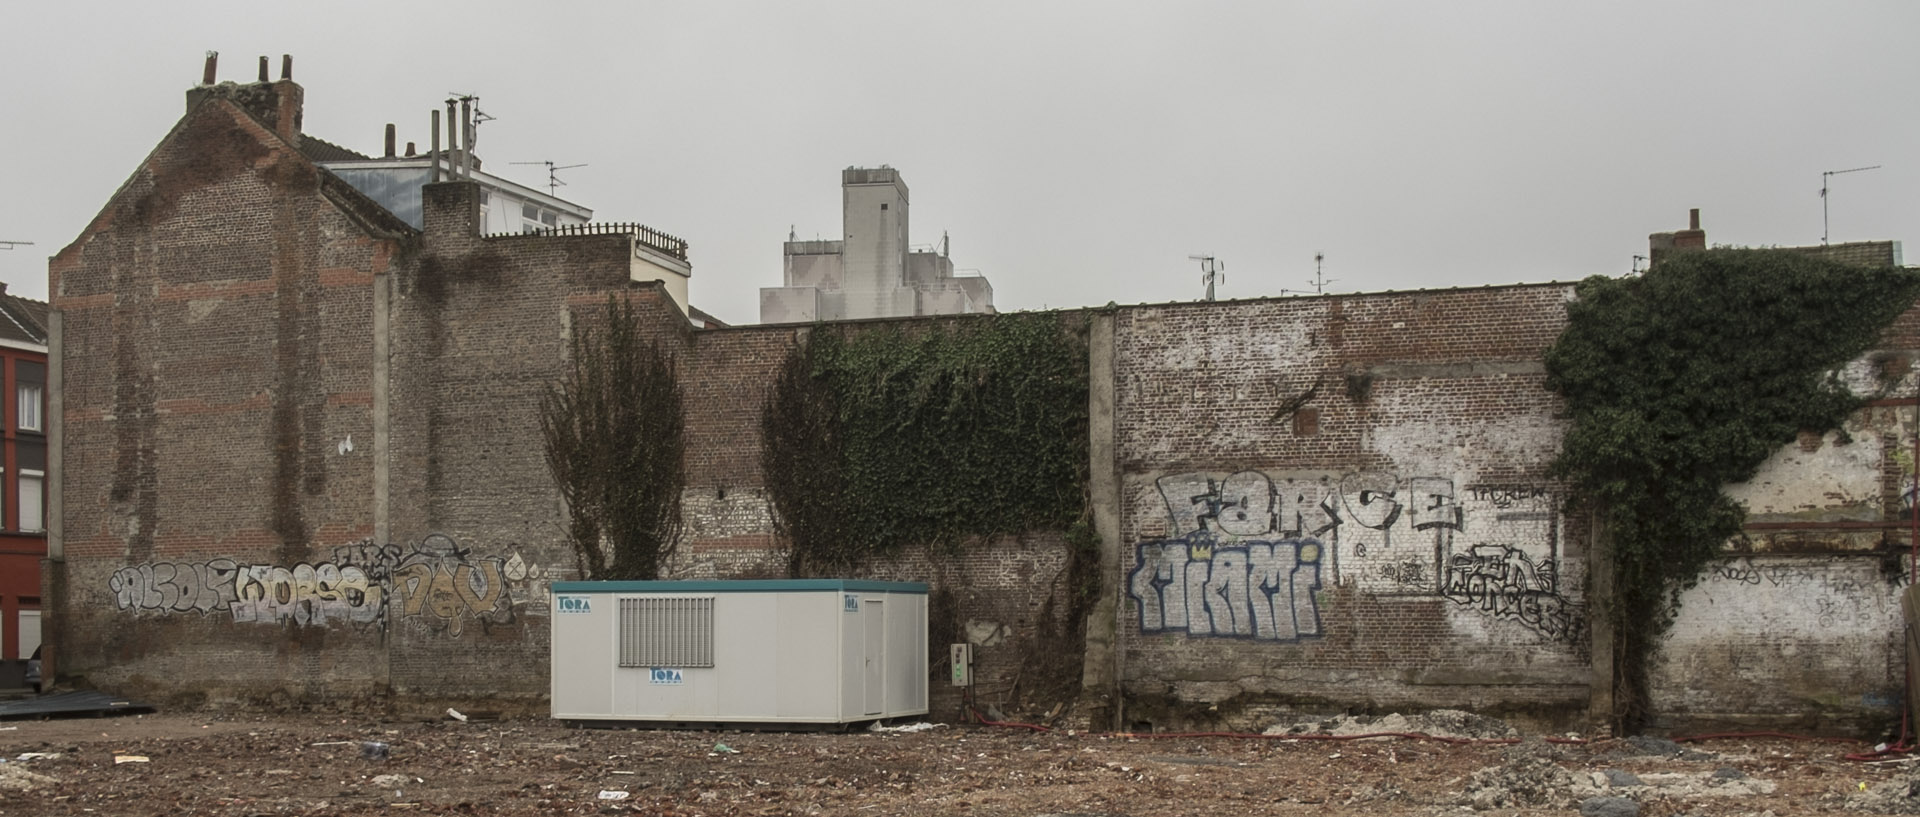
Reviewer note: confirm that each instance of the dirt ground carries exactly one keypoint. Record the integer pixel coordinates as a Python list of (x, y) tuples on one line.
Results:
[(223, 764)]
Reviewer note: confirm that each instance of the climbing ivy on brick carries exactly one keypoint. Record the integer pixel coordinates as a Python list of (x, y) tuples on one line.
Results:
[(876, 437), (1685, 379)]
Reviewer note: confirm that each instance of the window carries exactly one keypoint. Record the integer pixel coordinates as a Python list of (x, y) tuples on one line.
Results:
[(534, 219), (29, 407), (32, 488), (666, 632)]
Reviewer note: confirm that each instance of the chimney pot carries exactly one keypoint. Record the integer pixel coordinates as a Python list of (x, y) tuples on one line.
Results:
[(286, 66), (389, 140), (410, 149), (1693, 219), (206, 76), (263, 69)]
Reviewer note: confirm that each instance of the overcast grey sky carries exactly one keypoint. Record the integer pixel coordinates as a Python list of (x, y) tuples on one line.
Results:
[(1076, 152)]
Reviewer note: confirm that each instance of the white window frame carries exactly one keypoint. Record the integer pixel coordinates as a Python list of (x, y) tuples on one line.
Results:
[(28, 411), (38, 523)]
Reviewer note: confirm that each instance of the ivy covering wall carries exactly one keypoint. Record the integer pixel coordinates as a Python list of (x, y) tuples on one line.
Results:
[(877, 437), (1684, 380)]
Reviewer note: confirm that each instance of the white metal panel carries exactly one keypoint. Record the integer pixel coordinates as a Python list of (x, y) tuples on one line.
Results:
[(583, 652), (906, 665)]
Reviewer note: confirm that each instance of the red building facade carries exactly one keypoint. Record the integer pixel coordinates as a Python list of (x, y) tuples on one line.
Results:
[(23, 473)]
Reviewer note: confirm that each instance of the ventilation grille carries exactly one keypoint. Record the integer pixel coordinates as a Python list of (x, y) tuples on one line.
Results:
[(666, 632)]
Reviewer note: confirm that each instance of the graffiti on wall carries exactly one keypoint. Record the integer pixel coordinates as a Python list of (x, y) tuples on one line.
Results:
[(1506, 583), (1492, 547), (1248, 589), (306, 594), (436, 582)]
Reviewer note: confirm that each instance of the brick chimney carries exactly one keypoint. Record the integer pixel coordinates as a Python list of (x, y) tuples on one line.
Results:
[(1661, 245), (277, 104)]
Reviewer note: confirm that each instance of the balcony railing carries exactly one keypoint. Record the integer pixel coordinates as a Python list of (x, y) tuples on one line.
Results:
[(647, 236)]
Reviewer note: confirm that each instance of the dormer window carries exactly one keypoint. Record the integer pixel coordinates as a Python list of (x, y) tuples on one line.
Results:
[(534, 218)]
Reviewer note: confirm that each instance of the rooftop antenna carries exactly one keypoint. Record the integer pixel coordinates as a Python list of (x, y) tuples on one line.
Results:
[(1211, 269), (1320, 280), (553, 179), (470, 133), (1634, 268), (1823, 196), (8, 245)]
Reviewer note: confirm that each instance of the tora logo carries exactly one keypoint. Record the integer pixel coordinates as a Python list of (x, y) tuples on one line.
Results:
[(574, 604)]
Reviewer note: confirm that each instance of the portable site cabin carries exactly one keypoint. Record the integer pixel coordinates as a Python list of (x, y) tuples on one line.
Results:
[(793, 651)]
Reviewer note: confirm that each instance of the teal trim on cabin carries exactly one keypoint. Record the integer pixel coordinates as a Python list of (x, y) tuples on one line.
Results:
[(743, 586)]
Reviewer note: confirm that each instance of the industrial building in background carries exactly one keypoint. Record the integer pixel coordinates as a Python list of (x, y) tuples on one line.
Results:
[(874, 272)]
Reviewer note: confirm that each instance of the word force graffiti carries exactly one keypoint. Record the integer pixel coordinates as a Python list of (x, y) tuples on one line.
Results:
[(1491, 547), (1261, 590)]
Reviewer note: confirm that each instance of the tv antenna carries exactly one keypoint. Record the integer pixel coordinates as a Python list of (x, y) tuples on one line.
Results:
[(553, 179), (470, 134), (1320, 280), (8, 245), (1823, 196), (1211, 270)]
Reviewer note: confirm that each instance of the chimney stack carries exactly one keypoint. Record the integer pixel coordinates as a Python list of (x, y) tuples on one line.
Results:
[(1661, 245), (277, 105), (286, 67), (389, 140), (409, 148)]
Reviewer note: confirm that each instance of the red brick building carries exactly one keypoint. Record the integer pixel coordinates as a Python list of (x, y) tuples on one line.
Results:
[(23, 473)]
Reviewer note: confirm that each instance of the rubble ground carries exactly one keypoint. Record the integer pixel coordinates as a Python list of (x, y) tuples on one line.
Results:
[(313, 764)]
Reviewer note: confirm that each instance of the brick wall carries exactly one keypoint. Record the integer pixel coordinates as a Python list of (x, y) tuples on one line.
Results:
[(216, 369), (480, 328), (1344, 502), (301, 446)]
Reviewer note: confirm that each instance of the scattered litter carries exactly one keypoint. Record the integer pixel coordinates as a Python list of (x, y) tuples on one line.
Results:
[(905, 727), (119, 759), (1528, 781), (38, 756), (9, 728), (1441, 723), (455, 714), (374, 750), (392, 781), (326, 742), (614, 794), (723, 749), (278, 771), (17, 778), (621, 772)]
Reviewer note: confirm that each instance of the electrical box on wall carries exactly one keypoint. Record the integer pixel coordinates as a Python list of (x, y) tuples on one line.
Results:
[(961, 656), (786, 651)]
